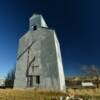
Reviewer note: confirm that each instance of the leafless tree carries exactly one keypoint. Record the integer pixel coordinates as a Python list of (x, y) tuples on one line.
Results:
[(9, 81)]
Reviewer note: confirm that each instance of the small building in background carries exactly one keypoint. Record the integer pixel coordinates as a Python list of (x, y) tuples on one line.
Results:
[(81, 82), (87, 85), (2, 83)]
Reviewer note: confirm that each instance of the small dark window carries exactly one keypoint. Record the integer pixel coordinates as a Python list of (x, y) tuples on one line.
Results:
[(34, 27), (30, 81), (38, 79)]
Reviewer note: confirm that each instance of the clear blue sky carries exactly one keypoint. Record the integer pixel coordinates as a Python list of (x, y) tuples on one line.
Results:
[(77, 23)]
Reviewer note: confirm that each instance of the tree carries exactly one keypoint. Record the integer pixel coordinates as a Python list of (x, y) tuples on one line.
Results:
[(9, 81), (92, 71)]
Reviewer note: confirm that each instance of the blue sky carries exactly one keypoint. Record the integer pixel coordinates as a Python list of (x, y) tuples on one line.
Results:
[(77, 23)]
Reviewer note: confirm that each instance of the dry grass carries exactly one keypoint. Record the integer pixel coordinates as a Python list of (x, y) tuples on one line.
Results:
[(29, 94), (42, 94), (86, 94), (90, 92)]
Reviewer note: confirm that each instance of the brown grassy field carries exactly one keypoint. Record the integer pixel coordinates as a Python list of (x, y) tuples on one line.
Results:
[(90, 92), (42, 94), (87, 94), (29, 94)]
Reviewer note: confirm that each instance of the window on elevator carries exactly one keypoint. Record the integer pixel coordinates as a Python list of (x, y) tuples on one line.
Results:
[(38, 79), (30, 81), (35, 27)]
